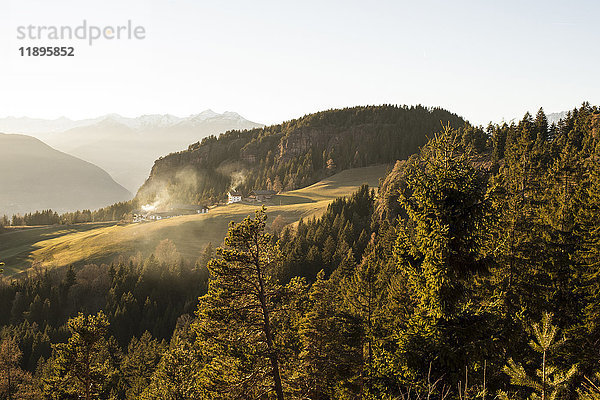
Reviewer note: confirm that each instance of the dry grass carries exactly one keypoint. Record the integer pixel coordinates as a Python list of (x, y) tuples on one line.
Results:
[(58, 246)]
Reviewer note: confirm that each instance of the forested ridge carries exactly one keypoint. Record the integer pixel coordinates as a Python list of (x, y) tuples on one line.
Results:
[(293, 154), (472, 273), (279, 157)]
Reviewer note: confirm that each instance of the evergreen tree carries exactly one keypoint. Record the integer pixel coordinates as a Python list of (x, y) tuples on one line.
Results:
[(552, 380), (331, 357), (84, 366), (15, 384), (364, 292), (439, 249), (140, 362), (175, 377), (235, 317)]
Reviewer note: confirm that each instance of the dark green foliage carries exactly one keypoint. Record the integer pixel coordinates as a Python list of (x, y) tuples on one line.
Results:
[(236, 318), (14, 382), (420, 289), (85, 366), (175, 376), (296, 153), (140, 363), (136, 295), (332, 340), (325, 242), (548, 381), (114, 212)]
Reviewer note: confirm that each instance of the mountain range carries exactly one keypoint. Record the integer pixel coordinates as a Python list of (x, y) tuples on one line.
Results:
[(126, 147), (37, 177)]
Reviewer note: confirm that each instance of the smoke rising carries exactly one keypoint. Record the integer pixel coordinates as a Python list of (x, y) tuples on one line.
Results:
[(162, 193)]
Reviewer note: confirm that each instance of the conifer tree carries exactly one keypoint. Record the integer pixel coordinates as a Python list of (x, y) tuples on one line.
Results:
[(85, 365), (363, 294), (15, 384), (439, 250), (548, 381), (517, 234), (235, 318), (331, 357), (140, 362), (176, 375), (440, 239), (588, 234)]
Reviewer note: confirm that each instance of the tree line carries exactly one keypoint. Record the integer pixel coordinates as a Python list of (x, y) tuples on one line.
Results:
[(114, 212), (471, 273)]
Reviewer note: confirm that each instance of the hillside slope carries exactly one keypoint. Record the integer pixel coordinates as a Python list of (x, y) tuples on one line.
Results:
[(294, 154), (59, 246), (127, 147), (34, 176)]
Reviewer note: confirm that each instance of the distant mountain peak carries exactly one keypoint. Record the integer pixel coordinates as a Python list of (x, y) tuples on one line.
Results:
[(204, 115), (232, 114), (553, 118), (37, 126)]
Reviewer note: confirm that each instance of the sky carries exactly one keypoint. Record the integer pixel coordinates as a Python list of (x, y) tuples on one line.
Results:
[(272, 61)]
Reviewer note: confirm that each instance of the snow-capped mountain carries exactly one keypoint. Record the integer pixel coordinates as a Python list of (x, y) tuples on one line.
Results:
[(149, 121), (555, 117), (127, 147)]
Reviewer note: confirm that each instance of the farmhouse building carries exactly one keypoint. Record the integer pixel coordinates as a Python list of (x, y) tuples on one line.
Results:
[(234, 197), (261, 195)]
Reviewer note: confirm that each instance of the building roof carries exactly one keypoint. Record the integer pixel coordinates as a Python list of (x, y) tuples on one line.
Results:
[(232, 193)]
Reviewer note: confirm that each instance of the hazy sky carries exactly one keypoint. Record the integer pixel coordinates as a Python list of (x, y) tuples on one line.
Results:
[(276, 60)]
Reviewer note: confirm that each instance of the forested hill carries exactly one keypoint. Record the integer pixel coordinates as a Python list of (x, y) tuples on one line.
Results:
[(295, 153)]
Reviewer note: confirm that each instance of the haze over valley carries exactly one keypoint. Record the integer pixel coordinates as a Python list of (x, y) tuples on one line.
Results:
[(124, 147), (403, 205), (35, 176)]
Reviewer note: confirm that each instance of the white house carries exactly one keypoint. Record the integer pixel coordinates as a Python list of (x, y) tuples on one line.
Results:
[(234, 197)]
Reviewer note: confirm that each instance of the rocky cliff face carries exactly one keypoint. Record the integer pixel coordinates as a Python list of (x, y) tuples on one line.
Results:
[(301, 141), (301, 151)]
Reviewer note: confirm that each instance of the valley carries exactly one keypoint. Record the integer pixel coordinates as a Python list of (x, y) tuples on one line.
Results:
[(59, 245)]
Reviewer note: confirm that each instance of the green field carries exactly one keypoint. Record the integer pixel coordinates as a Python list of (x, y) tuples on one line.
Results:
[(57, 246)]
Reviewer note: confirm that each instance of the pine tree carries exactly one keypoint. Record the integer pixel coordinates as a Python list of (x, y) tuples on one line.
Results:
[(363, 294), (439, 251), (175, 377), (206, 256), (331, 357), (552, 380), (440, 239), (85, 365), (235, 317), (588, 221), (517, 235), (140, 362), (15, 384)]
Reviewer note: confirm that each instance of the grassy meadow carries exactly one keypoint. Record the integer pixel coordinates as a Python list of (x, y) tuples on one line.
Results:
[(59, 246)]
